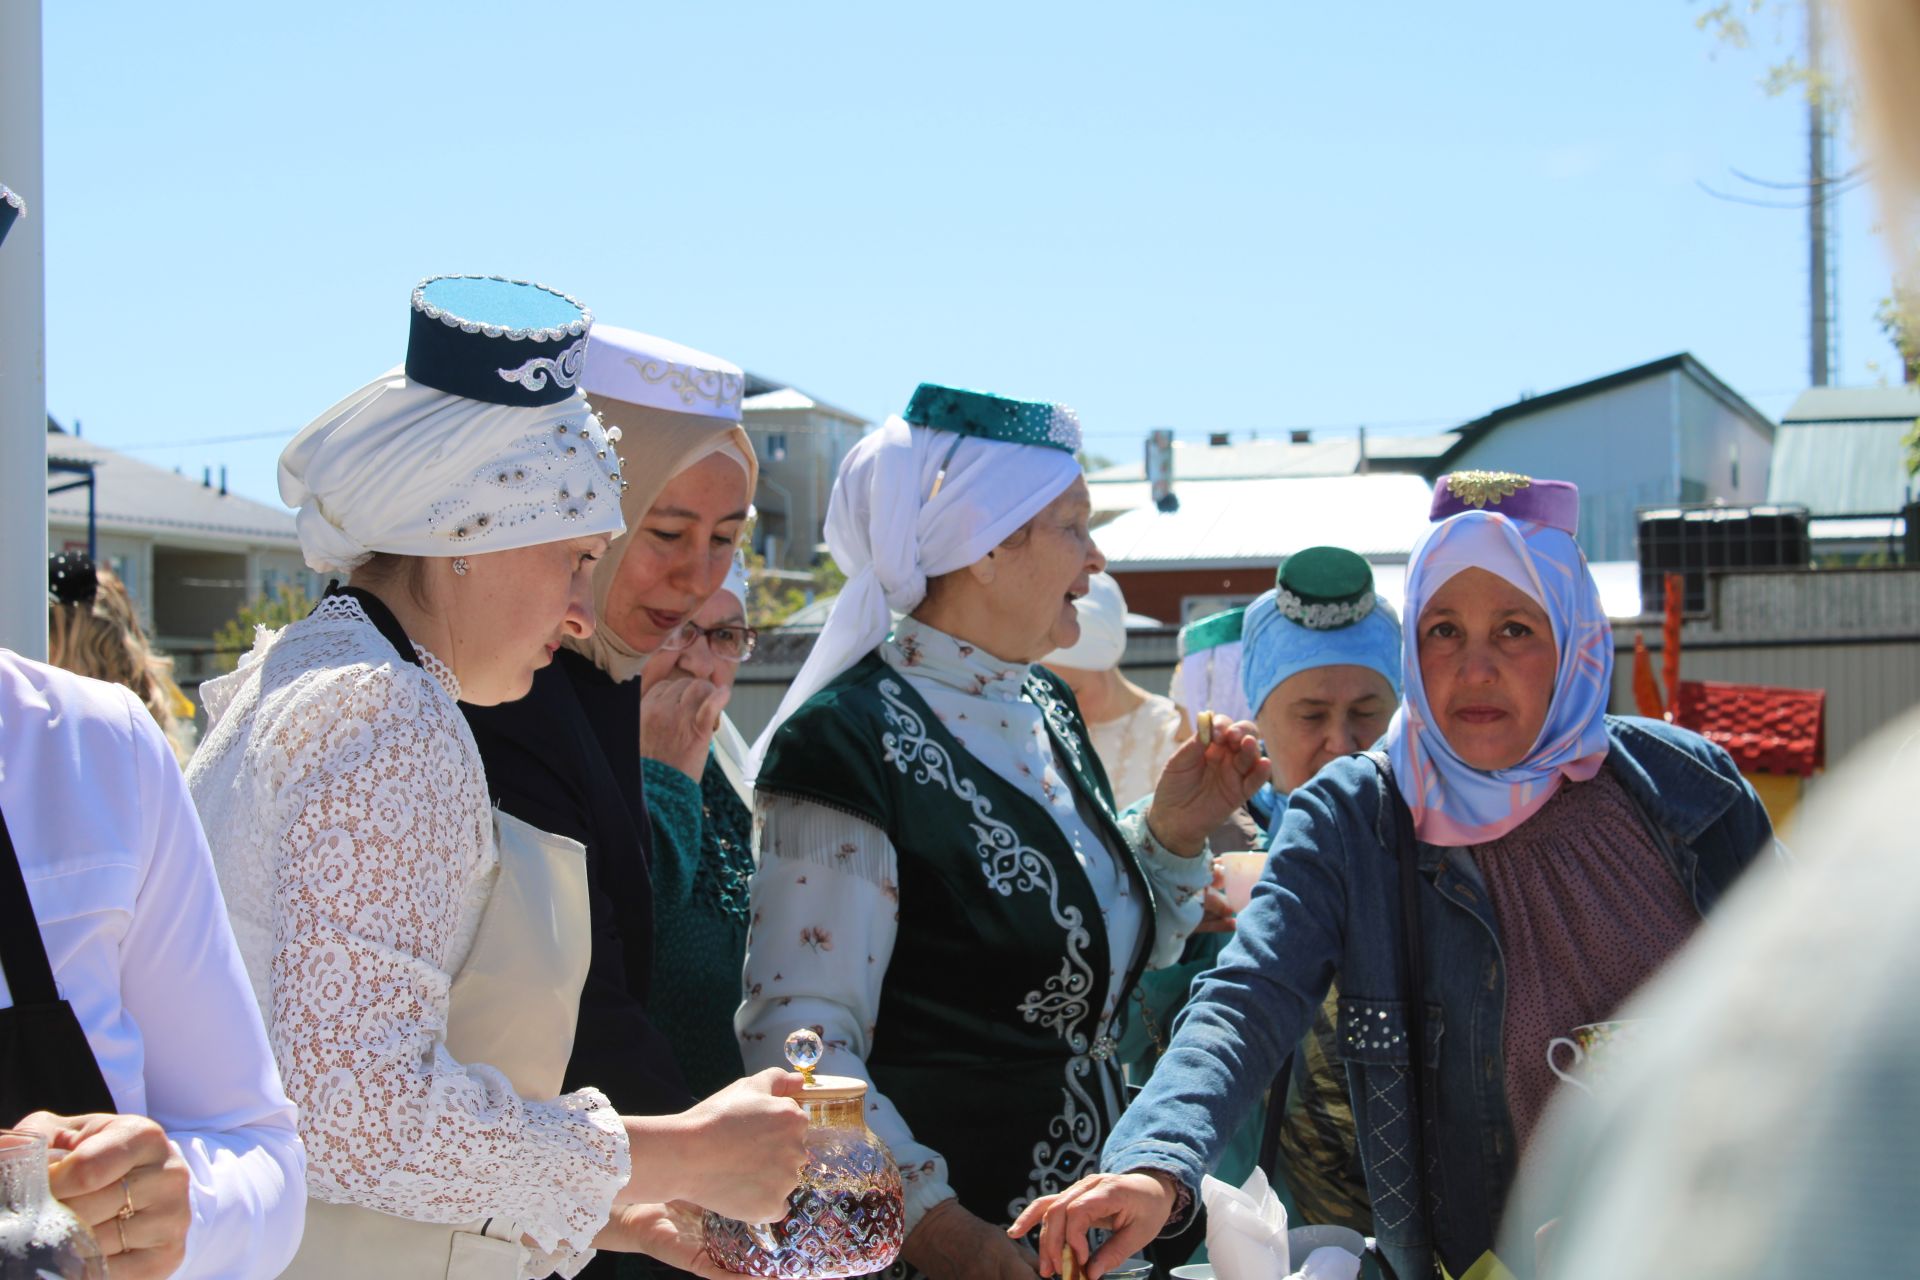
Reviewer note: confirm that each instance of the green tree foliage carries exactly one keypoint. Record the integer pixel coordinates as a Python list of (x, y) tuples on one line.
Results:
[(1732, 22), (771, 601), (1899, 317), (236, 637)]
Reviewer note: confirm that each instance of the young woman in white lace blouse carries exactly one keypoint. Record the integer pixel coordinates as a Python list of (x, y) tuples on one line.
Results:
[(417, 956)]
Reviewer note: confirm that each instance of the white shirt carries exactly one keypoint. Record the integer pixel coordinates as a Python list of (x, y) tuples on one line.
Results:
[(826, 894), (347, 809), (1135, 747), (131, 918)]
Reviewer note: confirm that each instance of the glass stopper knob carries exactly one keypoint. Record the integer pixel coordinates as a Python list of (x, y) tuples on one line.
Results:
[(804, 1050)]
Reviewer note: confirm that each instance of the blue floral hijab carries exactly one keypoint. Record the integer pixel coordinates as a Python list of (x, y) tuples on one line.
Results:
[(1454, 803)]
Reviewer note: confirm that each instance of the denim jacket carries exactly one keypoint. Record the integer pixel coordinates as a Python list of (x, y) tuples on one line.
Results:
[(1329, 904)]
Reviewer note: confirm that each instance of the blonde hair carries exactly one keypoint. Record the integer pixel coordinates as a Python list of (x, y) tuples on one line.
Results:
[(104, 640)]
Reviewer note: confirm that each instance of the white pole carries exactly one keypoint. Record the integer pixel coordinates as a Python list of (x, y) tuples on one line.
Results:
[(23, 340)]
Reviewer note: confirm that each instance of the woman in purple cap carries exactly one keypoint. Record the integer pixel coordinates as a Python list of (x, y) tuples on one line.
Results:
[(1508, 869)]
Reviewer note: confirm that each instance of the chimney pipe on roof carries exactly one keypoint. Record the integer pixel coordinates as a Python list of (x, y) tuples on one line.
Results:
[(223, 479), (1362, 469), (206, 477)]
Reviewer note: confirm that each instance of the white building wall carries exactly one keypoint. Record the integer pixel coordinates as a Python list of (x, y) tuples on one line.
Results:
[(1724, 455), (800, 485), (1620, 446)]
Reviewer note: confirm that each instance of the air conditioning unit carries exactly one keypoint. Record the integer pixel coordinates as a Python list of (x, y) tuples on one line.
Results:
[(1697, 541)]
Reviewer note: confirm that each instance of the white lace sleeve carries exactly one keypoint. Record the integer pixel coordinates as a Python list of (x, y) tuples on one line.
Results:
[(383, 826), (826, 911)]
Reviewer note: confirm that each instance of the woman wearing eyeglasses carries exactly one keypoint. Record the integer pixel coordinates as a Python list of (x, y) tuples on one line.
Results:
[(703, 833)]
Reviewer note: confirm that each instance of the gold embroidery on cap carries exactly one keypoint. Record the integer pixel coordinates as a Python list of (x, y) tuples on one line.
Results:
[(1479, 488)]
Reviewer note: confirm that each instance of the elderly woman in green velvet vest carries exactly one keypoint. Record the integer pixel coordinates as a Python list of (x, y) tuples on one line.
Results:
[(945, 887)]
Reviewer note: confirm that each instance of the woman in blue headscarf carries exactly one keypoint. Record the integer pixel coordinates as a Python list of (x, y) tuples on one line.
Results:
[(1317, 667), (1509, 869), (1320, 667)]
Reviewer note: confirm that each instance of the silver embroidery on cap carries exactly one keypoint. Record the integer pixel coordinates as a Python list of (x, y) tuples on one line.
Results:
[(691, 383), (565, 370), (1322, 617)]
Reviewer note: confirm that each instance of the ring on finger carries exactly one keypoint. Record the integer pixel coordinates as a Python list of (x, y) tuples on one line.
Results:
[(120, 1229), (126, 1210)]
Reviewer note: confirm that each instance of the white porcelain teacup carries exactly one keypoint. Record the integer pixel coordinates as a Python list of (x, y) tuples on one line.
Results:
[(1596, 1050)]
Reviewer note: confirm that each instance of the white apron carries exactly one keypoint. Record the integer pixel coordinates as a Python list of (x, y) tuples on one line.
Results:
[(512, 1006)]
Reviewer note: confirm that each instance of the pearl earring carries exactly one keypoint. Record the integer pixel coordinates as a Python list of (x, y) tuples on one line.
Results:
[(460, 565)]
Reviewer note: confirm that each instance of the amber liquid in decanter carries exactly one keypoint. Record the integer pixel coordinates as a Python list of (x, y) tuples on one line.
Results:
[(847, 1216)]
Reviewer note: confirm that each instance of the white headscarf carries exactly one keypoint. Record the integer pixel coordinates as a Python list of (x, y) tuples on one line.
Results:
[(408, 469), (1103, 629), (889, 536)]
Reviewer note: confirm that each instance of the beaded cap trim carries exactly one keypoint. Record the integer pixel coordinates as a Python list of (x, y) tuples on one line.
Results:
[(576, 329), (1478, 489), (496, 340), (1323, 617), (992, 417)]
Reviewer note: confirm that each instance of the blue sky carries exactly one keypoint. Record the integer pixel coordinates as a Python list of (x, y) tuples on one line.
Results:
[(1210, 216)]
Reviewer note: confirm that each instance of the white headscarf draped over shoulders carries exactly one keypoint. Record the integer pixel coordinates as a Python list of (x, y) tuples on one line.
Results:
[(889, 536)]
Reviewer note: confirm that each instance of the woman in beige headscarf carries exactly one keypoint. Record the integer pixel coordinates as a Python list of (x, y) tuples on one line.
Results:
[(567, 756)]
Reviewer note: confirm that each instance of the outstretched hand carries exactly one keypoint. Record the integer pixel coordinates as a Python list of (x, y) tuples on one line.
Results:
[(1133, 1206), (1204, 782)]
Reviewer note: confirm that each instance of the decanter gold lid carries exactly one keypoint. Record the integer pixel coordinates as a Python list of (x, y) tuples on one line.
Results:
[(804, 1050)]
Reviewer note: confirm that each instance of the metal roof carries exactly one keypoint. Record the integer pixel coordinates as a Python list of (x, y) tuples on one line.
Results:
[(1243, 523), (1855, 404), (1266, 459), (132, 496), (1840, 468)]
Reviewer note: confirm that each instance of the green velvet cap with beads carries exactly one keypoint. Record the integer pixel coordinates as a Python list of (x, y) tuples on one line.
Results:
[(1324, 588), (992, 417)]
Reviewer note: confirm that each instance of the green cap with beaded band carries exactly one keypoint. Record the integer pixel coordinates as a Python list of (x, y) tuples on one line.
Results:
[(992, 417), (1324, 588)]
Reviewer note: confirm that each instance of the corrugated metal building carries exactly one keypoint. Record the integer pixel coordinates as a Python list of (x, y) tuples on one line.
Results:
[(1838, 451)]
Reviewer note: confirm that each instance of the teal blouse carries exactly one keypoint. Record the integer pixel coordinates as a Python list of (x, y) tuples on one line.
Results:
[(702, 863)]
